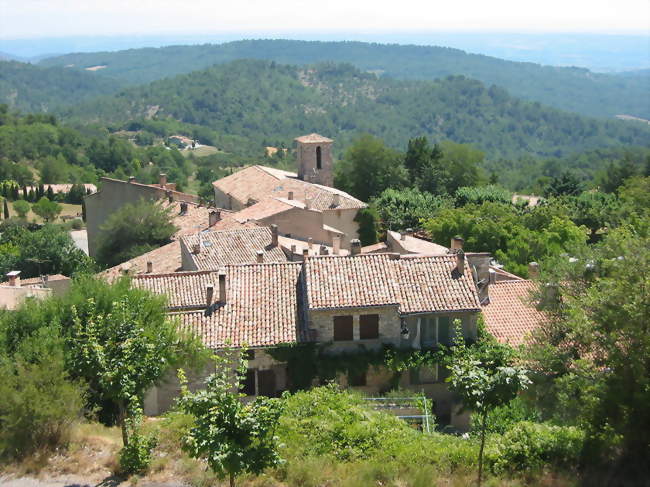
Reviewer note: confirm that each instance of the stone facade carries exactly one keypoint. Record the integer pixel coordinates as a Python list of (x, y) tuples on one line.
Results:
[(315, 162)]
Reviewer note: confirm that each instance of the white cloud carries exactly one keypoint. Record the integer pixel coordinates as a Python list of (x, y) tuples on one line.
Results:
[(30, 18)]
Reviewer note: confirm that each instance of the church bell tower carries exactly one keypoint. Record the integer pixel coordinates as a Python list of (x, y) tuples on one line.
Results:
[(315, 159)]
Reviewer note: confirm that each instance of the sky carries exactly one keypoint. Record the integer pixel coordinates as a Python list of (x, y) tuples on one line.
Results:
[(58, 18)]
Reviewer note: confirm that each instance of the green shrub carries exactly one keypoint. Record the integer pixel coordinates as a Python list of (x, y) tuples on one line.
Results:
[(480, 194), (39, 403), (502, 418), (135, 457), (530, 446)]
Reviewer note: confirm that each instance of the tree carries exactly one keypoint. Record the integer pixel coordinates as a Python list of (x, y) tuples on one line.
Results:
[(485, 377), (46, 209), (368, 168), (233, 437), (368, 225), (6, 208), (22, 208), (400, 209), (593, 355), (122, 342), (566, 184), (133, 230), (419, 156)]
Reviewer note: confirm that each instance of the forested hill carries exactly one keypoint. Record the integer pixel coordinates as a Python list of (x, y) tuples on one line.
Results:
[(571, 89), (31, 88), (265, 101)]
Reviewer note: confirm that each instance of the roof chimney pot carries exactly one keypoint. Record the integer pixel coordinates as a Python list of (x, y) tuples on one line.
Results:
[(460, 261), (162, 179), (355, 246), (131, 179), (533, 270), (214, 217), (196, 248), (336, 244), (274, 235), (14, 278), (209, 295), (260, 256), (222, 287), (457, 243), (149, 267), (290, 196)]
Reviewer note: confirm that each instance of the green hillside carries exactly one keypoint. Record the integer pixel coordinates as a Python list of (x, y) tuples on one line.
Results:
[(31, 88), (265, 101), (571, 89)]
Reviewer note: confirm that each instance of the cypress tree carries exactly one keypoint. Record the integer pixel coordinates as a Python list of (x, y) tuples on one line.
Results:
[(50, 193), (83, 211), (6, 209)]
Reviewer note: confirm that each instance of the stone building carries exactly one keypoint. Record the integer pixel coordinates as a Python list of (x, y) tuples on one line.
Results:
[(114, 194), (302, 205), (14, 291), (346, 303)]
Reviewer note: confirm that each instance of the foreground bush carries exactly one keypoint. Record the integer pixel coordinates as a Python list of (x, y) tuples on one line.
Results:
[(530, 446), (38, 402)]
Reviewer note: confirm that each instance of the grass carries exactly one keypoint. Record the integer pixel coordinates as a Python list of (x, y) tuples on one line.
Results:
[(204, 150), (68, 210)]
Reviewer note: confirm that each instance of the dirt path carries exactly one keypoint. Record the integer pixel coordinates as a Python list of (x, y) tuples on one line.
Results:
[(76, 481)]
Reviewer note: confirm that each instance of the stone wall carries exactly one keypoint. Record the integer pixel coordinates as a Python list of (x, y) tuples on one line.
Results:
[(343, 220), (307, 171)]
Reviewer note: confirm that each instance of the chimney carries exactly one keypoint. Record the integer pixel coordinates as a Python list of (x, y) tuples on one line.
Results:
[(290, 196), (214, 217), (209, 295), (402, 236), (460, 261), (493, 276), (457, 243), (336, 200), (305, 253), (409, 232), (274, 235), (310, 242), (260, 256), (222, 287), (131, 179), (196, 248), (149, 267), (307, 203), (533, 270), (162, 179), (183, 208), (323, 250), (14, 278), (336, 244), (355, 246), (293, 252)]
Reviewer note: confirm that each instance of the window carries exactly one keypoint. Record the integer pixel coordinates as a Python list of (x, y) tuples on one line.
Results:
[(435, 330), (368, 327), (319, 159), (248, 386), (357, 378), (343, 328), (266, 382)]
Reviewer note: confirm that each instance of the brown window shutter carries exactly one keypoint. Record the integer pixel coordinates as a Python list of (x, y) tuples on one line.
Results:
[(368, 327), (343, 328)]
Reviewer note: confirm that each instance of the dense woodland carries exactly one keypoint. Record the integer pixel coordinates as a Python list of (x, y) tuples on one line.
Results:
[(573, 89), (266, 101)]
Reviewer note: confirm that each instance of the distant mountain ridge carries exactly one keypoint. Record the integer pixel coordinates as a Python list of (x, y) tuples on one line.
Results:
[(266, 101), (571, 89), (32, 88)]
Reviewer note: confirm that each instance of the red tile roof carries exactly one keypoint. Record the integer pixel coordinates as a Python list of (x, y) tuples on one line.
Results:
[(416, 285), (510, 315), (261, 304), (259, 184), (238, 246), (313, 139)]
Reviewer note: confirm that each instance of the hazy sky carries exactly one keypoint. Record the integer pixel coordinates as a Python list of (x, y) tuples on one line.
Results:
[(53, 18)]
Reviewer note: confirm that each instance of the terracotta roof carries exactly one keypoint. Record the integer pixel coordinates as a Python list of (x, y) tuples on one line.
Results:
[(287, 242), (183, 289), (416, 285), (39, 280), (261, 304), (416, 245), (239, 246), (312, 139), (256, 184), (261, 210), (63, 188), (510, 315), (164, 259), (375, 248)]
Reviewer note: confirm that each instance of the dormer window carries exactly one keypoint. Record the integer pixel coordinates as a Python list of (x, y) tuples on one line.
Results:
[(319, 160)]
